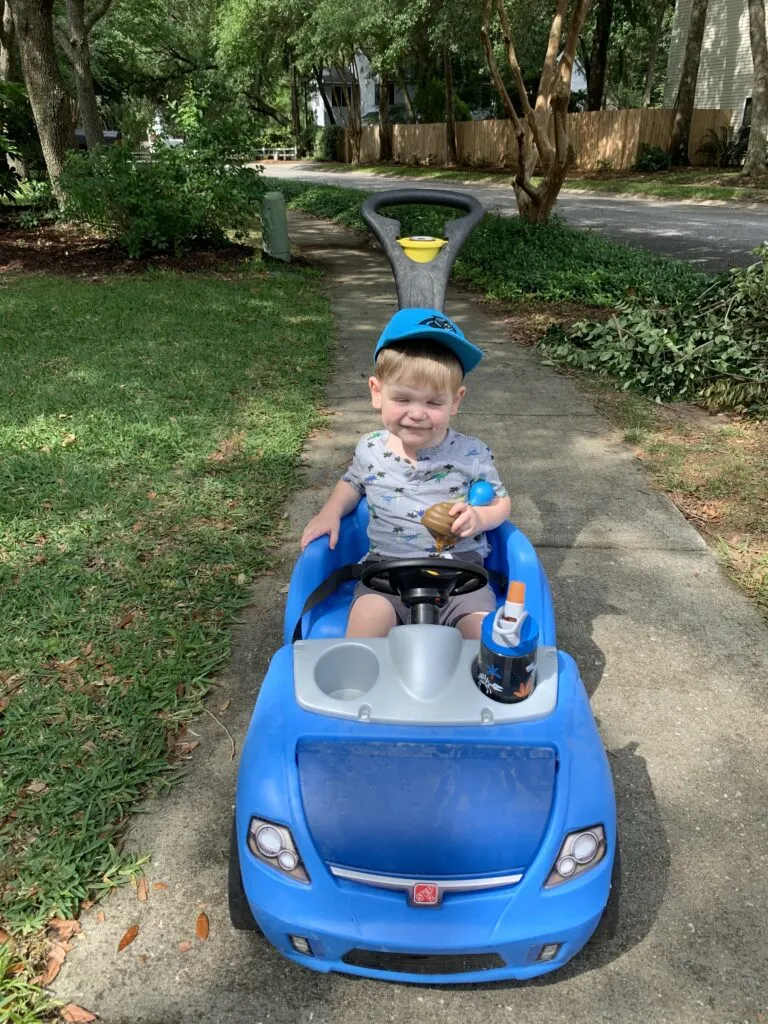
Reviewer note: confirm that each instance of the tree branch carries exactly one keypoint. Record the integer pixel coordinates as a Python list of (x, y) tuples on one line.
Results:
[(261, 107), (96, 14), (574, 31), (553, 45), (540, 139), (498, 81), (62, 41)]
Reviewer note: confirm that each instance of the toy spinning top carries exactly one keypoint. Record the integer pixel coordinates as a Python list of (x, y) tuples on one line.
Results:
[(439, 521)]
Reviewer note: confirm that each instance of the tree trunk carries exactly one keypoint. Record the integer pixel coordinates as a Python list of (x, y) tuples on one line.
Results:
[(352, 96), (49, 99), (653, 49), (8, 70), (385, 125), (77, 51), (450, 114), (599, 57), (318, 73), (295, 106), (686, 94), (400, 79), (555, 156), (757, 151)]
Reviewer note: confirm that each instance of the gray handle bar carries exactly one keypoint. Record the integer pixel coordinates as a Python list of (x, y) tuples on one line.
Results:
[(421, 284)]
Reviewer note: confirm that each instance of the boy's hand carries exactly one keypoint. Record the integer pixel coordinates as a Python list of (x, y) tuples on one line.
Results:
[(320, 525), (467, 522)]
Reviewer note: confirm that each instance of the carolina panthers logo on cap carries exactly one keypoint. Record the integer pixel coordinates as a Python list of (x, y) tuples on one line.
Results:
[(439, 322)]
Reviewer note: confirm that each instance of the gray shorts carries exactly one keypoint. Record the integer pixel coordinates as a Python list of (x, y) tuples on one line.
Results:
[(483, 600)]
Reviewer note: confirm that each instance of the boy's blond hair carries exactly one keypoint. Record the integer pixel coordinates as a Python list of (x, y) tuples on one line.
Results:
[(423, 363)]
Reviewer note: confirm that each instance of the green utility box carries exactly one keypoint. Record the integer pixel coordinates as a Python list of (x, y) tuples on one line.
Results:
[(274, 227)]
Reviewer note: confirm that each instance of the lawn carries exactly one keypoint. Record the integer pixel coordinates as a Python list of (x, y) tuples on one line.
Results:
[(693, 184), (150, 430)]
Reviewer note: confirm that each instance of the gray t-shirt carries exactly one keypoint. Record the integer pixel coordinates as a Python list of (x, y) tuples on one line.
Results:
[(399, 492)]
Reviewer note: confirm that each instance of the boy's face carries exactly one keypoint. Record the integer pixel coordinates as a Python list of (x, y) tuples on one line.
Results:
[(418, 416)]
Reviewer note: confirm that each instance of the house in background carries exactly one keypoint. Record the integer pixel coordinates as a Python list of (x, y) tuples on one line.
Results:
[(333, 85), (726, 72)]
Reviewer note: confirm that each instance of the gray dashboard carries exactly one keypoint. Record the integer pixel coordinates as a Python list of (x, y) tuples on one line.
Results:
[(417, 674)]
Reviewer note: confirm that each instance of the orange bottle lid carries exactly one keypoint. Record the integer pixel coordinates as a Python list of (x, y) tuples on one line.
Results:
[(516, 592)]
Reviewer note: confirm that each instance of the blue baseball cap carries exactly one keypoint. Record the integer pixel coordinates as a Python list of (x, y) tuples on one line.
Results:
[(411, 324)]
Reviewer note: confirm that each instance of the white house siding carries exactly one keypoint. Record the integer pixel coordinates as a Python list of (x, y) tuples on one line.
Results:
[(368, 104), (726, 70)]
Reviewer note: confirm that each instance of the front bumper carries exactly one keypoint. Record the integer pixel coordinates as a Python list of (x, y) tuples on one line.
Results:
[(471, 937)]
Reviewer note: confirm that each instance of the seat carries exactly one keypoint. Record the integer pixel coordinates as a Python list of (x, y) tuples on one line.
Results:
[(511, 555)]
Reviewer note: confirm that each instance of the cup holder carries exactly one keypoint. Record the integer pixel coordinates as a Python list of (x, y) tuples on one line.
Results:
[(347, 672)]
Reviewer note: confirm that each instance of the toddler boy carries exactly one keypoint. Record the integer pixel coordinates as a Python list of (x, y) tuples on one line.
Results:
[(416, 460)]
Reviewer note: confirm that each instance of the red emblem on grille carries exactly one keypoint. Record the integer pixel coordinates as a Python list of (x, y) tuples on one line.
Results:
[(425, 894)]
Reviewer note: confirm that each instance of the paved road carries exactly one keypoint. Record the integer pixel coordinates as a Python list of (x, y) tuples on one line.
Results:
[(675, 661), (712, 236)]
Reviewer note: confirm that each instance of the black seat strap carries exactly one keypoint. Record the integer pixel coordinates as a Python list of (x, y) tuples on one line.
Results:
[(326, 588)]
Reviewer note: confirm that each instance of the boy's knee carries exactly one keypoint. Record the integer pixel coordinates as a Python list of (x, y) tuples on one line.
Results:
[(371, 615), (470, 626)]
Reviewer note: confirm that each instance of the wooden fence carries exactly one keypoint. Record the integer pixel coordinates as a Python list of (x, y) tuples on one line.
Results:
[(608, 139)]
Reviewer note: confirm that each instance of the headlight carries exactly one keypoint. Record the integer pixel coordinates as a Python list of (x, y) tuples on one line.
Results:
[(580, 852), (273, 844)]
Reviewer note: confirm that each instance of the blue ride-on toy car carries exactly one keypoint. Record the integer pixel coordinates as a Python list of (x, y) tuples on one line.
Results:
[(393, 819)]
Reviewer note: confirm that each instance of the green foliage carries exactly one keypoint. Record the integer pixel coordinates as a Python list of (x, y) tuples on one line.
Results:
[(276, 135), (429, 103), (21, 1001), (174, 198), (709, 347), (327, 142), (150, 431), (509, 259), (722, 148), (18, 136), (652, 158)]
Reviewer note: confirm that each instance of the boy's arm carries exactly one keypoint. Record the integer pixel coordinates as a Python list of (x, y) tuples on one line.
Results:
[(471, 519), (344, 497)]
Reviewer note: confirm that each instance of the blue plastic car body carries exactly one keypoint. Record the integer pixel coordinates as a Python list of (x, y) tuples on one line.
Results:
[(425, 852)]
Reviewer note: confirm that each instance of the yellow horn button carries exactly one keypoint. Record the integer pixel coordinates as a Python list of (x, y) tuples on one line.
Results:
[(422, 248)]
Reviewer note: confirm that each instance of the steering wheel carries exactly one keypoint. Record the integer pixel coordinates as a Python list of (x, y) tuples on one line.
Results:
[(424, 584)]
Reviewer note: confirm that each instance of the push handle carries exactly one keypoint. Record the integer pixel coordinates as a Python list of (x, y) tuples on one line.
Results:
[(421, 285)]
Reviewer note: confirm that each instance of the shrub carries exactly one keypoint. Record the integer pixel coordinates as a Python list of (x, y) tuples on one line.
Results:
[(652, 158), (327, 142), (709, 347), (722, 148), (175, 198)]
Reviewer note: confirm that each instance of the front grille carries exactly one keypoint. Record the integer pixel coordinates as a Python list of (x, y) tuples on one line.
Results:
[(423, 963)]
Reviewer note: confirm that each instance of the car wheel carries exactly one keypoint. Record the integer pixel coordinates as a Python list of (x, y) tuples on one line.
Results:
[(239, 911)]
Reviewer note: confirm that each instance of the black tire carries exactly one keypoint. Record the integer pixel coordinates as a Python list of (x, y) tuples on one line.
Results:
[(239, 911)]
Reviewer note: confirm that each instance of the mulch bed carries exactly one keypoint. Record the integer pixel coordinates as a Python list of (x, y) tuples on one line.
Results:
[(66, 252)]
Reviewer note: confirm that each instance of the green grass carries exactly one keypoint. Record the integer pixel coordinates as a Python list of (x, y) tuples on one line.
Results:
[(150, 429), (21, 1001), (508, 259), (659, 190), (695, 186)]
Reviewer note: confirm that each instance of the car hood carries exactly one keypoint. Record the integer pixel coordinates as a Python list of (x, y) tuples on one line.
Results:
[(426, 810)]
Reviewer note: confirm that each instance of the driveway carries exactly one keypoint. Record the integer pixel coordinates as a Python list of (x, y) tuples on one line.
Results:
[(675, 660), (713, 236)]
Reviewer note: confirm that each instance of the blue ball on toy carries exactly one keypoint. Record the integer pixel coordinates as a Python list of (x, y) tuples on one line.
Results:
[(481, 493)]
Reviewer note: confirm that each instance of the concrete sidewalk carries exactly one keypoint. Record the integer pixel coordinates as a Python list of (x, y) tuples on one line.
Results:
[(676, 662)]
